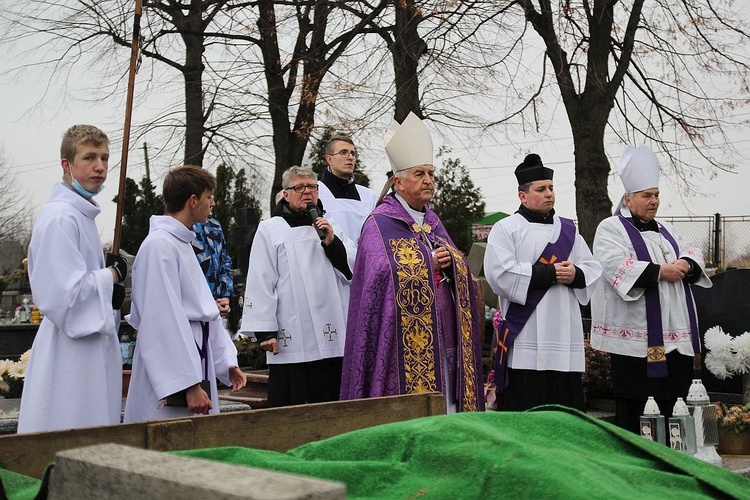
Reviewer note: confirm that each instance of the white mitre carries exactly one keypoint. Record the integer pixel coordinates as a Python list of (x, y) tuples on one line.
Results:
[(407, 145), (638, 170)]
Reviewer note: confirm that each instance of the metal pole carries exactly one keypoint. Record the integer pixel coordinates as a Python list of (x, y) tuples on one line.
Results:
[(126, 128), (717, 241)]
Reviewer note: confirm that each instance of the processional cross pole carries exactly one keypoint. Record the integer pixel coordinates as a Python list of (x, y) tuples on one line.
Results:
[(126, 128)]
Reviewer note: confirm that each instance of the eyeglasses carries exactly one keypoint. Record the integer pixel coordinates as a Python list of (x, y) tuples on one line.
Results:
[(345, 153), (301, 188)]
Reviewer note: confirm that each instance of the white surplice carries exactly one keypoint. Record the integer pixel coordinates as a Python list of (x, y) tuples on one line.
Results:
[(618, 310), (170, 300), (350, 214), (552, 339), (74, 377), (293, 289)]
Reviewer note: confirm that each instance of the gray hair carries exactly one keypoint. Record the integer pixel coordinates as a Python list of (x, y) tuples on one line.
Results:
[(402, 174), (295, 172)]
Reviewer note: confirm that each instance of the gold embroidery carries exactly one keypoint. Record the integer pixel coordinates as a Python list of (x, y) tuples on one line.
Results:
[(416, 302), (464, 316), (656, 354), (426, 228)]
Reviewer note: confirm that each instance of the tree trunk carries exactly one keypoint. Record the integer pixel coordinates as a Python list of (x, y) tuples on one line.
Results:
[(591, 168), (406, 49), (278, 96), (192, 33)]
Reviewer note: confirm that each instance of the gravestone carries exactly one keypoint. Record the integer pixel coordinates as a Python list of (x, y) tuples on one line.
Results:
[(726, 304)]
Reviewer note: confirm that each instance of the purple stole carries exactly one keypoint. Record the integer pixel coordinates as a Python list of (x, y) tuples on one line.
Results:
[(656, 354), (518, 315)]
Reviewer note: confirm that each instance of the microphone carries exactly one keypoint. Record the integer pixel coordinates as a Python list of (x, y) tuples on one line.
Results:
[(313, 211)]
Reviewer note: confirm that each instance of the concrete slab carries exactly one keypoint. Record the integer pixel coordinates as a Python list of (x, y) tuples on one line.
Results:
[(111, 471)]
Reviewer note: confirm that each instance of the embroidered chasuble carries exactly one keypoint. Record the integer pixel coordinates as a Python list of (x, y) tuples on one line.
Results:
[(411, 329)]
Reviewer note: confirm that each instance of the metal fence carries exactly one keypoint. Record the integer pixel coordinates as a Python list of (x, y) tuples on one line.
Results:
[(725, 240)]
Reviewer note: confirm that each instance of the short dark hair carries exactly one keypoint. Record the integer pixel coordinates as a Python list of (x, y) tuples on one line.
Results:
[(337, 138), (183, 182), (525, 187)]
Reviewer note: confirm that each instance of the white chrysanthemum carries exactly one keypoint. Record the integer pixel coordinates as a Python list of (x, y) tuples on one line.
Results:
[(716, 365), (4, 386), (18, 370), (718, 342), (25, 358), (5, 365), (735, 365), (741, 346)]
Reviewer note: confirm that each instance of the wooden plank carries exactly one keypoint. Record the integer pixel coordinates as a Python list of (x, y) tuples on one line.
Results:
[(277, 429), (171, 435)]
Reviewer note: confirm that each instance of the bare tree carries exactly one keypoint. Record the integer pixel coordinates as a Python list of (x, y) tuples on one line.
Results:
[(15, 212), (196, 112), (317, 45), (672, 71)]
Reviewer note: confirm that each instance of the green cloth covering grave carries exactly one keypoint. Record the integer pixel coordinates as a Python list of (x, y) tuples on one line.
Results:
[(550, 452), (540, 454), (17, 486)]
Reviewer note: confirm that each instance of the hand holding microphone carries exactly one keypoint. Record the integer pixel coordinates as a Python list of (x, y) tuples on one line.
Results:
[(324, 228)]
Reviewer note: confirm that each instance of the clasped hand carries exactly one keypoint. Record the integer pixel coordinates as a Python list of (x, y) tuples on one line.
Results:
[(674, 271), (565, 272), (441, 258)]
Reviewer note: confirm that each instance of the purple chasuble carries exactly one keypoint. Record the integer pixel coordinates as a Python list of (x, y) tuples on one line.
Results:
[(518, 315), (404, 327), (656, 355)]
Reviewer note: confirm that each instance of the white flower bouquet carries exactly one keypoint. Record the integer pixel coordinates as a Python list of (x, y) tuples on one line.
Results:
[(12, 376), (726, 356)]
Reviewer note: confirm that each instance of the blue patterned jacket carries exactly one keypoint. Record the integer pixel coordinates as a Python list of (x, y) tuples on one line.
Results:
[(210, 249)]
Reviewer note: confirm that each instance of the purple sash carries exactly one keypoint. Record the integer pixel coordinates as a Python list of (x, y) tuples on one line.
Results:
[(518, 315), (656, 354)]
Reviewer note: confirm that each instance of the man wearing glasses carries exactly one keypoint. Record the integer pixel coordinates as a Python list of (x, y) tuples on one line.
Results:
[(344, 200), (297, 294)]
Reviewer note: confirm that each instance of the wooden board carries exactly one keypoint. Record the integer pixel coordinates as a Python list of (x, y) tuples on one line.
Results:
[(277, 429)]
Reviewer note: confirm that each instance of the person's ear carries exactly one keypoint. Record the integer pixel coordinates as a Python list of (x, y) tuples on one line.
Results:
[(65, 165)]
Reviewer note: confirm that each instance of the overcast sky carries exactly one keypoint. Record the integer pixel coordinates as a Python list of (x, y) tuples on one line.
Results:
[(32, 123)]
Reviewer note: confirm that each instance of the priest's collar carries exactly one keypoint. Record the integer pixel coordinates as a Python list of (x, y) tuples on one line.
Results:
[(536, 217), (417, 215), (340, 188), (645, 225)]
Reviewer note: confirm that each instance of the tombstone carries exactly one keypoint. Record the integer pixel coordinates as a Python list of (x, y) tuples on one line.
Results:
[(241, 237), (726, 304)]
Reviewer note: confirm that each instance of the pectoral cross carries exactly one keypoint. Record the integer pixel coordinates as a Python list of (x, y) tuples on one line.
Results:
[(329, 332), (283, 337)]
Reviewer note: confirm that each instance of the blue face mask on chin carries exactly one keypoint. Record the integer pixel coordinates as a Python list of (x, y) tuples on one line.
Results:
[(83, 191)]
